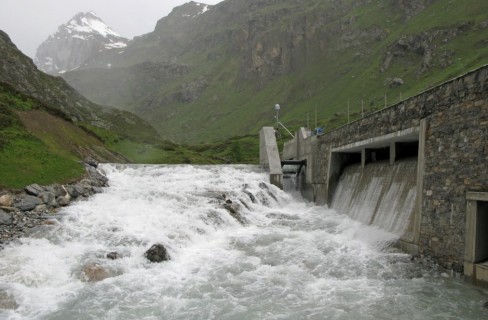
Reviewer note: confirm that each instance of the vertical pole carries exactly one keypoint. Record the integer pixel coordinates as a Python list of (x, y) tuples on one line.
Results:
[(347, 111), (362, 108), (315, 116)]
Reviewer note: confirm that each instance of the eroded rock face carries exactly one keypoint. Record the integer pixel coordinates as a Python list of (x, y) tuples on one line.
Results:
[(157, 253)]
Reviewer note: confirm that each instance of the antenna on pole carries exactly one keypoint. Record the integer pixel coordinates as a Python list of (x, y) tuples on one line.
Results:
[(277, 110)]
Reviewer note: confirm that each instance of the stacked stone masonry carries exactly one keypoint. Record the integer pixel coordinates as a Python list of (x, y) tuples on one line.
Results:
[(455, 157)]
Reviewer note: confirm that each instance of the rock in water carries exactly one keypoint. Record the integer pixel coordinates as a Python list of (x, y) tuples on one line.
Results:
[(157, 253), (113, 255), (94, 272)]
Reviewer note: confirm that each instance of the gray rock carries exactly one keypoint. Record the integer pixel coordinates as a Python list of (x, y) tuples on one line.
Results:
[(97, 190), (91, 162), (58, 190), (5, 218), (157, 253), (63, 201), (28, 202), (113, 255), (233, 210), (49, 199), (41, 207), (34, 190), (394, 82)]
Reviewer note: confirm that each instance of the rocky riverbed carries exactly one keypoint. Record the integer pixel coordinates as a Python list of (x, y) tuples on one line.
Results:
[(23, 211)]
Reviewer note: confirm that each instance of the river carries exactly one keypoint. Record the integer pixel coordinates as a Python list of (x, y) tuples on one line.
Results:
[(290, 259)]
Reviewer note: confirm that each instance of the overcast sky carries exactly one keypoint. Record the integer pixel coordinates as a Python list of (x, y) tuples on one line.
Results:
[(30, 22)]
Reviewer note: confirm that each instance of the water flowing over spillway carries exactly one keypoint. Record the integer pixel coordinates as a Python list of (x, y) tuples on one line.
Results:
[(380, 194), (273, 256)]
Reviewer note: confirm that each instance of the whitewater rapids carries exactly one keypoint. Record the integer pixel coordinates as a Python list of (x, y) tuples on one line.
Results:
[(289, 259)]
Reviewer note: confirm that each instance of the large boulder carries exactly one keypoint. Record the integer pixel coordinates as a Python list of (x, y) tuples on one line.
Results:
[(27, 203), (157, 253)]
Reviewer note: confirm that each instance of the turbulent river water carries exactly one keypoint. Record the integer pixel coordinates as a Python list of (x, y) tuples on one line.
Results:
[(289, 259)]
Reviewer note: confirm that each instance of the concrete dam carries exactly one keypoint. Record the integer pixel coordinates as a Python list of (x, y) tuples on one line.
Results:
[(418, 169)]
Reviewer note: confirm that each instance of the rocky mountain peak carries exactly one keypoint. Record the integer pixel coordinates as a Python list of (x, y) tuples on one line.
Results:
[(88, 23), (190, 10), (76, 41), (183, 14)]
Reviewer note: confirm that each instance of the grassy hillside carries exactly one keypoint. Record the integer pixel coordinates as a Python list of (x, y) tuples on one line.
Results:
[(313, 57), (25, 158), (37, 146)]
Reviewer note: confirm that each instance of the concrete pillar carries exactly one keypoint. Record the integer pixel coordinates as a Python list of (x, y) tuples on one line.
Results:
[(420, 181), (269, 156), (392, 152), (365, 157)]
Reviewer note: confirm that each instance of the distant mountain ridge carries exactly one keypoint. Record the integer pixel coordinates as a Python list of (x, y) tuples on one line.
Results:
[(218, 74), (74, 42)]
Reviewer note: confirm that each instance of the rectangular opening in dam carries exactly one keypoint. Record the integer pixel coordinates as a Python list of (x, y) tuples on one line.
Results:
[(407, 149), (481, 242), (476, 242)]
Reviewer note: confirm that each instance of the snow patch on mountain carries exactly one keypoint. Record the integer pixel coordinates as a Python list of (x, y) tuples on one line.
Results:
[(75, 42)]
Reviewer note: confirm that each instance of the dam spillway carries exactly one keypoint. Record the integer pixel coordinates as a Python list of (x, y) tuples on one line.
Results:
[(446, 129), (379, 194)]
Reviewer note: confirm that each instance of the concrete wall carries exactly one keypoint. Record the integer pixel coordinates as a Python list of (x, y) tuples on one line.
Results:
[(451, 125), (269, 156)]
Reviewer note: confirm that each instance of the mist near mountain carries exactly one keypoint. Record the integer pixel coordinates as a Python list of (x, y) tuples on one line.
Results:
[(209, 75)]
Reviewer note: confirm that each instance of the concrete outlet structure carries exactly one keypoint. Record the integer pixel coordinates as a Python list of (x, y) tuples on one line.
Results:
[(444, 133)]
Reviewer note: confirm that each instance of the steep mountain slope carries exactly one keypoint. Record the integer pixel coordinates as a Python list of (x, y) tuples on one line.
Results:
[(18, 71), (74, 42), (218, 74), (37, 146)]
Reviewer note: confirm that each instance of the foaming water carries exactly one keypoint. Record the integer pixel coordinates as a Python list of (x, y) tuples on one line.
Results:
[(289, 260), (380, 194)]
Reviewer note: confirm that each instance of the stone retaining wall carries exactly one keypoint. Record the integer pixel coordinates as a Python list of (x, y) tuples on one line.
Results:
[(454, 155)]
